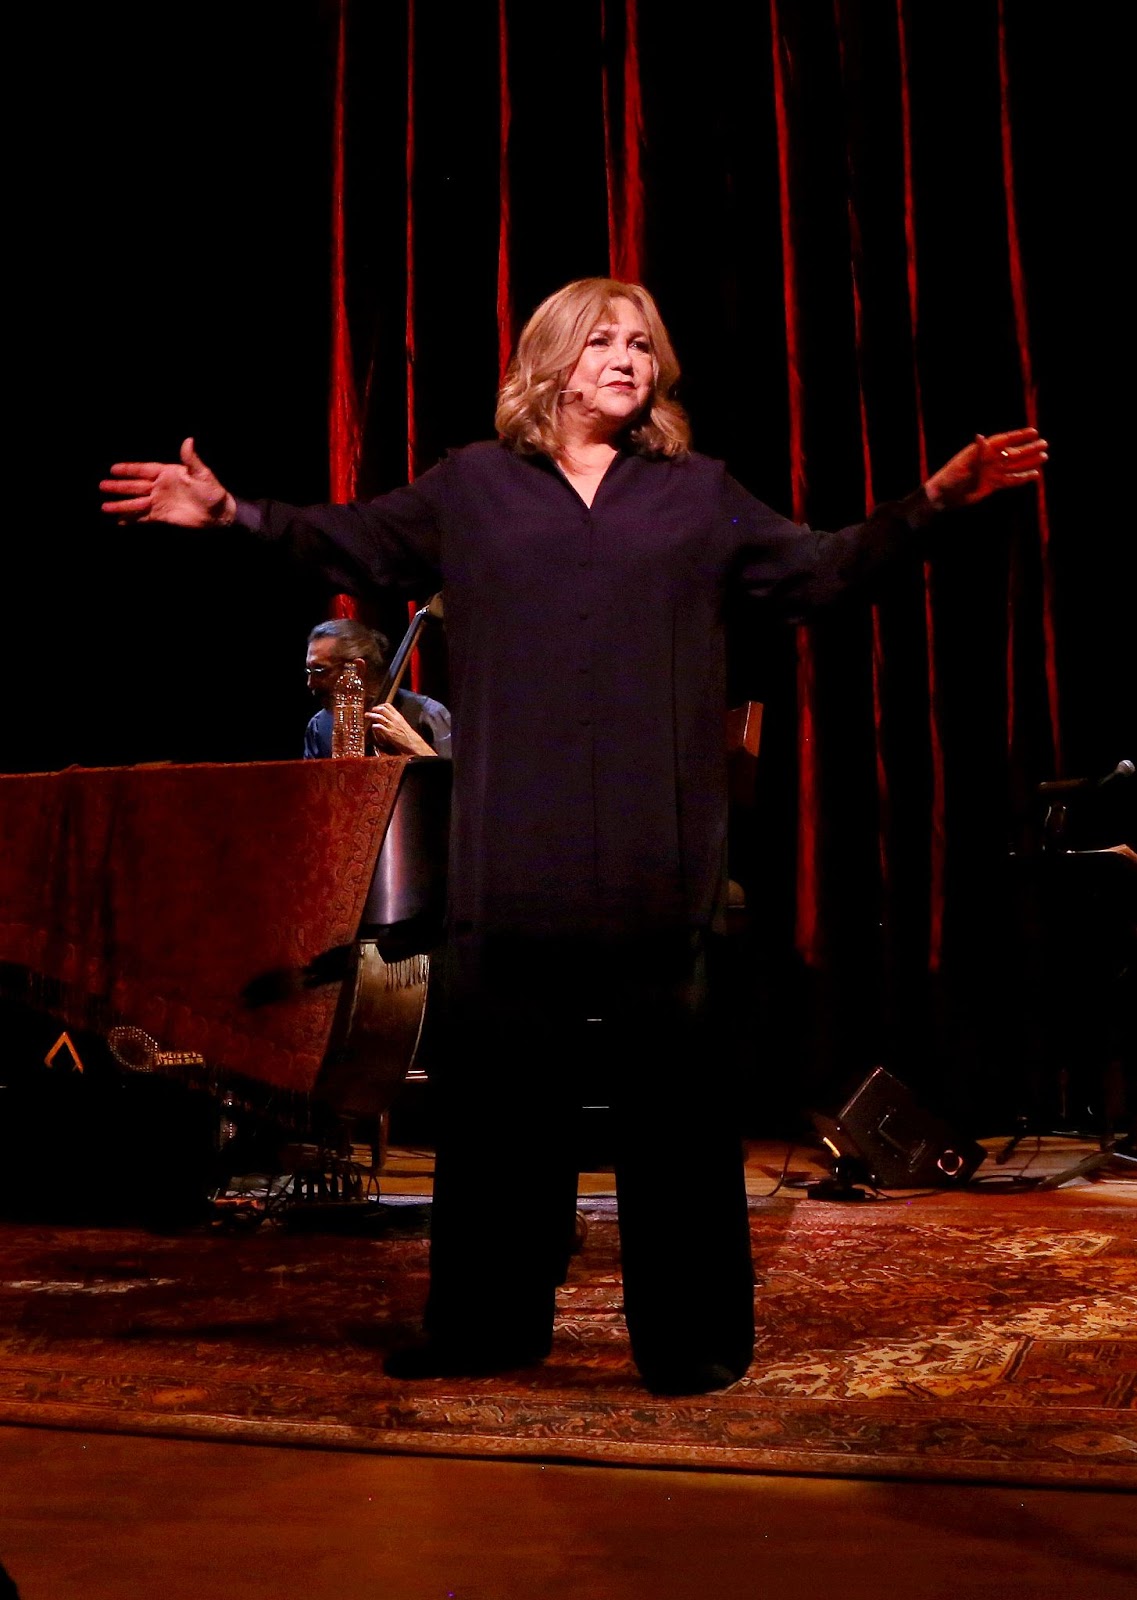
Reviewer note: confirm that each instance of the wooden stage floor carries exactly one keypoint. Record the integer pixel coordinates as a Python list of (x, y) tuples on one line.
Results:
[(114, 1517)]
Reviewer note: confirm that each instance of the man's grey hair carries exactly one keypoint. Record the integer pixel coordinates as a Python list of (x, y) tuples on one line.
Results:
[(356, 642)]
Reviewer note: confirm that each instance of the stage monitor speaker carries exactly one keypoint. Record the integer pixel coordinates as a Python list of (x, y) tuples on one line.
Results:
[(902, 1145)]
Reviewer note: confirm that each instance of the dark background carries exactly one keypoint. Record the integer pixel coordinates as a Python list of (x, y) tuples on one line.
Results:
[(175, 178)]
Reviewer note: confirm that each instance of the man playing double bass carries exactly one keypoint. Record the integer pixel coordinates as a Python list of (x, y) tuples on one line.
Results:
[(405, 725)]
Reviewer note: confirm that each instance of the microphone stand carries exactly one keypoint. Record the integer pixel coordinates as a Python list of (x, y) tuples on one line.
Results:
[(1118, 886)]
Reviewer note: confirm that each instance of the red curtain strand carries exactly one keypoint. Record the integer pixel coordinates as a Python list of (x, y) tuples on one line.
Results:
[(505, 219), (412, 429), (1030, 396), (807, 930), (610, 180), (629, 261), (937, 855), (910, 231), (856, 274), (412, 442), (623, 173), (344, 429)]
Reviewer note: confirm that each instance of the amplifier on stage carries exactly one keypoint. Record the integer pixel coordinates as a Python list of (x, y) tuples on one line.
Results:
[(899, 1143)]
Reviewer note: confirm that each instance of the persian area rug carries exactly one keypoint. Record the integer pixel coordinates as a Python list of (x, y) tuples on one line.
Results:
[(996, 1342)]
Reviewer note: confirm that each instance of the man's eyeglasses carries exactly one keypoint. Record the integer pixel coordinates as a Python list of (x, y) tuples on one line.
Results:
[(322, 672)]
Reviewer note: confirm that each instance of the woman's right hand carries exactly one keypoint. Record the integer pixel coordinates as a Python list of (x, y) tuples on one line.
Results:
[(183, 492)]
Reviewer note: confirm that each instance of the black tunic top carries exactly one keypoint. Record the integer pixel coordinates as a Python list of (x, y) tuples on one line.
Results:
[(587, 666)]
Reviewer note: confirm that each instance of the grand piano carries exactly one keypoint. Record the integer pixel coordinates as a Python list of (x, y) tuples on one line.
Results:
[(273, 921)]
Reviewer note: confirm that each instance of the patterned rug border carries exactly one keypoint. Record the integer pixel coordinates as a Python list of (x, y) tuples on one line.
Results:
[(693, 1458)]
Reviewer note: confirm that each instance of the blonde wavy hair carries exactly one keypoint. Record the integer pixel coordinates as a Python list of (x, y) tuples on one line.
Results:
[(528, 403)]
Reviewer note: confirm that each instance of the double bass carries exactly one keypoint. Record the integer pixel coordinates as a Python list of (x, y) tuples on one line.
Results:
[(378, 1027)]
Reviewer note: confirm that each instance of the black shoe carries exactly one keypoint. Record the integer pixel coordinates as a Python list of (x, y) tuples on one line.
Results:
[(437, 1358), (700, 1377)]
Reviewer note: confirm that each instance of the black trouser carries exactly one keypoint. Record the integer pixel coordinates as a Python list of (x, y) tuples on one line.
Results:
[(532, 1026)]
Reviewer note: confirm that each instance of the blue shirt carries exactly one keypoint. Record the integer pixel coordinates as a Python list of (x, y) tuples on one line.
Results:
[(429, 718)]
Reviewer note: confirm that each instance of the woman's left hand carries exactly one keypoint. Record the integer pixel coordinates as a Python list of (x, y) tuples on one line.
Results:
[(991, 462)]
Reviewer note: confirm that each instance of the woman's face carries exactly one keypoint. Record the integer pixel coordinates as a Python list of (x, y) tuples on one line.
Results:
[(614, 375)]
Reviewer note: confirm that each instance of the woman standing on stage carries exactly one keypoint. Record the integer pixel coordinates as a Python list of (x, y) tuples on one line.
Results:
[(585, 557)]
